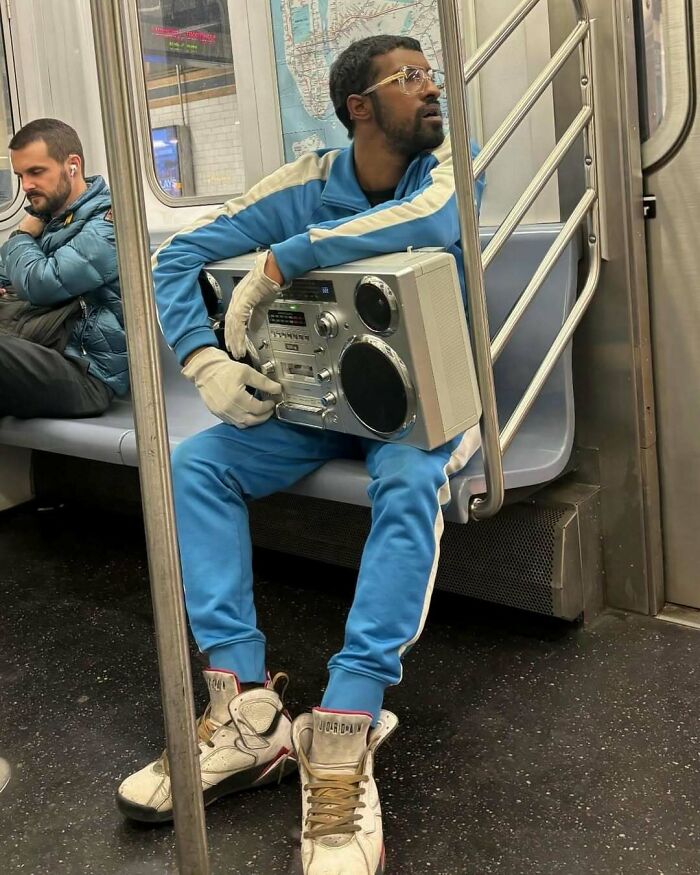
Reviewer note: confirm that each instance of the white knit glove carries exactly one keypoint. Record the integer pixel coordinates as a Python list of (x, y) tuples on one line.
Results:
[(221, 383), (249, 305)]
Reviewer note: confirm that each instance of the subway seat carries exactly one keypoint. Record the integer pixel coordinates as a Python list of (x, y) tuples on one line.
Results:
[(539, 453)]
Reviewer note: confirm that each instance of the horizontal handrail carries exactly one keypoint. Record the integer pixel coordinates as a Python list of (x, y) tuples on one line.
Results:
[(553, 255), (530, 98), (531, 193)]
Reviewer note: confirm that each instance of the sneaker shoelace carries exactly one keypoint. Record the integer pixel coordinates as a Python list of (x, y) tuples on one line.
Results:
[(205, 729), (334, 801)]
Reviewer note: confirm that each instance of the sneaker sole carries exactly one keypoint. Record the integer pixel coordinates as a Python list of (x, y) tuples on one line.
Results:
[(250, 779), (297, 867)]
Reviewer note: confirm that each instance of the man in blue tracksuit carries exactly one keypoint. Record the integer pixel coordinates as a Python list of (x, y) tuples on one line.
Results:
[(64, 250), (392, 189)]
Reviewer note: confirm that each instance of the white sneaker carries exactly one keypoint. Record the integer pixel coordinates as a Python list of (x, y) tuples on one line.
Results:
[(244, 742), (341, 814)]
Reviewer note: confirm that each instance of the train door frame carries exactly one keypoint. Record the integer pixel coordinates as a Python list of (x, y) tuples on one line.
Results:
[(613, 379), (670, 174)]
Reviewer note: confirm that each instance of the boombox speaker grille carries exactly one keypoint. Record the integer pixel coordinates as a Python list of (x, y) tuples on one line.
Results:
[(507, 559), (373, 307), (374, 388)]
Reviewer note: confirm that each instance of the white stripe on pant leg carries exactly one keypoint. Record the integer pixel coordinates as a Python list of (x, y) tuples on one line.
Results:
[(471, 440)]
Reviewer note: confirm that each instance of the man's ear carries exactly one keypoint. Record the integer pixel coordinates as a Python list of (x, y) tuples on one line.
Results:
[(73, 164), (360, 108)]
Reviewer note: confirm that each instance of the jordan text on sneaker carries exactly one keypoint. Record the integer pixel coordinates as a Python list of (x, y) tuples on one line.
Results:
[(244, 742), (341, 813)]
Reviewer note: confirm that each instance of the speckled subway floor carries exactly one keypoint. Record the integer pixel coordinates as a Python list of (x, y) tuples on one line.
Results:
[(525, 745)]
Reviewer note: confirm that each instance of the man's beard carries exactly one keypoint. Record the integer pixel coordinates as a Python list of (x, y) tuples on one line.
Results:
[(53, 203), (410, 139)]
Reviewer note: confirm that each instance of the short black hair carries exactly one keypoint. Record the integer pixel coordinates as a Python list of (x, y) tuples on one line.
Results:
[(61, 140), (353, 70)]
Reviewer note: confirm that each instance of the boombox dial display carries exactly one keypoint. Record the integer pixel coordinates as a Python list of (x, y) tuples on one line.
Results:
[(376, 348)]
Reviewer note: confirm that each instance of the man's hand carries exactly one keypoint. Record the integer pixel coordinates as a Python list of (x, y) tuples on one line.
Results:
[(32, 225), (251, 300), (222, 385)]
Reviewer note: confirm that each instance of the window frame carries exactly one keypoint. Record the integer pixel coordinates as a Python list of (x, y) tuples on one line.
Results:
[(251, 150), (9, 213), (680, 85)]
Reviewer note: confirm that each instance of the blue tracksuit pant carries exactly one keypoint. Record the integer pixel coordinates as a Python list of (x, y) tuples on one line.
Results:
[(217, 471)]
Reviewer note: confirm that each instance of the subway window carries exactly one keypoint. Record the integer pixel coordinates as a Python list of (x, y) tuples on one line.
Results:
[(191, 97), (8, 184), (651, 62)]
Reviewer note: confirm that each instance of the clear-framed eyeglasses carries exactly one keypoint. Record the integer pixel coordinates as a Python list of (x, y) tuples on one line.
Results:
[(412, 80)]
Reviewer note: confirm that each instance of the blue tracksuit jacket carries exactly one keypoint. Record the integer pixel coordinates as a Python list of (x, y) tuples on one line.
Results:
[(311, 213)]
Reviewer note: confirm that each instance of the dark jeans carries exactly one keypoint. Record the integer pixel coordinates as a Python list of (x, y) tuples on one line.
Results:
[(36, 381)]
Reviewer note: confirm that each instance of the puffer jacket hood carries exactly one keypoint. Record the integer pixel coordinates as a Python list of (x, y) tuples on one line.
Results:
[(76, 256)]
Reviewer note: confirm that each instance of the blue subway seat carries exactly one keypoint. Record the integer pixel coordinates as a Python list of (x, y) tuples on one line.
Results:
[(538, 454)]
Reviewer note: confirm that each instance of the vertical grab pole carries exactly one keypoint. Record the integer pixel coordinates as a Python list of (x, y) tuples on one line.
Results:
[(471, 253), (151, 428)]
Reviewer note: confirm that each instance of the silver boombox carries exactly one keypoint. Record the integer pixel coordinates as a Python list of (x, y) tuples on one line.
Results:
[(377, 348)]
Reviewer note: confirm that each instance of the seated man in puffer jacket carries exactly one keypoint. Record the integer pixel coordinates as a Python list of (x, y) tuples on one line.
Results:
[(63, 249)]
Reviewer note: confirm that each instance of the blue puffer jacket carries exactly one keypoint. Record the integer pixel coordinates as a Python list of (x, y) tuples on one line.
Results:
[(76, 256)]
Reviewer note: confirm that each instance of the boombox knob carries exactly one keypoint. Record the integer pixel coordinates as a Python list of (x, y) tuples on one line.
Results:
[(328, 399), (326, 325), (323, 376), (267, 369)]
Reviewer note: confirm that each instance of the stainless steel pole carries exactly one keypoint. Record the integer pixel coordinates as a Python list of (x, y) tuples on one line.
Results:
[(151, 430), (471, 252)]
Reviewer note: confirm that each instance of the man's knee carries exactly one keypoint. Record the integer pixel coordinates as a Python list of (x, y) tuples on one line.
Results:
[(8, 349), (11, 361), (188, 456), (203, 457), (408, 478), (403, 463)]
